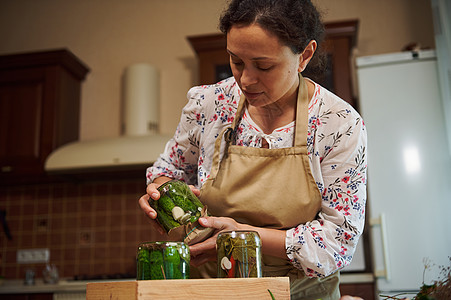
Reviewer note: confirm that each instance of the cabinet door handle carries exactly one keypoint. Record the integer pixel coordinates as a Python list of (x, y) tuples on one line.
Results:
[(380, 221)]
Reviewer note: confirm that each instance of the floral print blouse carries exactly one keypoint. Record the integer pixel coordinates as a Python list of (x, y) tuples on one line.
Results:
[(336, 143)]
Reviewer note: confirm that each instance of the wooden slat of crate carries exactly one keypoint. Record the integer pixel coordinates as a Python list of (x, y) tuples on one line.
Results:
[(124, 290), (199, 289)]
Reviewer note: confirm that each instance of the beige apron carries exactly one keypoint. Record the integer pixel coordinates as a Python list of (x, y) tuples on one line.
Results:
[(271, 188)]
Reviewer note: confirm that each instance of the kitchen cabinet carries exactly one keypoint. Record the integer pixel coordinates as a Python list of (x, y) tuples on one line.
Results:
[(340, 39), (39, 110), (363, 290)]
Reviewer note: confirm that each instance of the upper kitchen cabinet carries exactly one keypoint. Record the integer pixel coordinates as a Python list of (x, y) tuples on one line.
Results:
[(339, 41), (39, 110)]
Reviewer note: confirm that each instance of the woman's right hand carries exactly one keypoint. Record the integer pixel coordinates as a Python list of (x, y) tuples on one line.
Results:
[(152, 194)]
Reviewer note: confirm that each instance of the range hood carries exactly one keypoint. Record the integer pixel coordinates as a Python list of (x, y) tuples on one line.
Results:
[(113, 153), (141, 143)]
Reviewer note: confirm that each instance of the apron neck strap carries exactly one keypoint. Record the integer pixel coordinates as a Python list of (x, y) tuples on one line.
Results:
[(300, 137)]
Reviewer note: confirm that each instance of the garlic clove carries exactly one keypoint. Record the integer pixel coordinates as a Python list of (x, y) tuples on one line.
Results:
[(225, 263), (185, 218), (177, 212)]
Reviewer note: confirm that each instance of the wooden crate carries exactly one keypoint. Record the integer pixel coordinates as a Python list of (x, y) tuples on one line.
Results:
[(199, 289)]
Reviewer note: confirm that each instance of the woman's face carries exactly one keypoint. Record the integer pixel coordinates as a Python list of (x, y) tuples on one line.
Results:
[(265, 69)]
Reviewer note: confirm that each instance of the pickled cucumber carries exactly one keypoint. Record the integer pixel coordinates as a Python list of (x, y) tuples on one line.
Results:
[(166, 204), (171, 255), (144, 271), (167, 221)]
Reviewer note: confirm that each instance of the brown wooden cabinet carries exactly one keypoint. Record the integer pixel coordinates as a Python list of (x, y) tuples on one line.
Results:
[(340, 39), (39, 110), (365, 291)]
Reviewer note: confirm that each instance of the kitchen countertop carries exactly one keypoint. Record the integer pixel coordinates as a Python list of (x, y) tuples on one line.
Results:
[(64, 285), (76, 286)]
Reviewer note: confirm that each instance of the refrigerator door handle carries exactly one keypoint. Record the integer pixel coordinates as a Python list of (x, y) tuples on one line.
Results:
[(380, 221)]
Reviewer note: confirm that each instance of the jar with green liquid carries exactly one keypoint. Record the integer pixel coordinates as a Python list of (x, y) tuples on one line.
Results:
[(239, 254), (162, 260)]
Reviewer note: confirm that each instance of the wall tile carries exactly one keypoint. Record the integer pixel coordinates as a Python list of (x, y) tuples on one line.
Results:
[(90, 228)]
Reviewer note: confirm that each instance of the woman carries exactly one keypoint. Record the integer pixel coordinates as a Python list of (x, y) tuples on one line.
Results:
[(272, 151)]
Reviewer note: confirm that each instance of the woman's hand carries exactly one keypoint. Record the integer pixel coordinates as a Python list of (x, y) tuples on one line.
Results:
[(152, 194), (150, 212), (206, 250)]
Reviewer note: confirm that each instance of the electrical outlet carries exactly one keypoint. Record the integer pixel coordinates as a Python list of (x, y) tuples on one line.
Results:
[(30, 256)]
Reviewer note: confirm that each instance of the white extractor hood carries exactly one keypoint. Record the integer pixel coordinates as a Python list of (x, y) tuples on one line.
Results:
[(140, 145), (107, 153)]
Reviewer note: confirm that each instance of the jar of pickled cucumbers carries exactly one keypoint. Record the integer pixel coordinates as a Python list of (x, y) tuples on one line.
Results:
[(162, 260), (239, 254), (177, 205)]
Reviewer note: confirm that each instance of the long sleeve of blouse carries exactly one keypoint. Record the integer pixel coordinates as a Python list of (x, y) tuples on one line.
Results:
[(337, 150)]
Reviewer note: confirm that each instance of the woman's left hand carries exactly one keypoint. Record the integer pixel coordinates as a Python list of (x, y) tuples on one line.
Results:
[(206, 250)]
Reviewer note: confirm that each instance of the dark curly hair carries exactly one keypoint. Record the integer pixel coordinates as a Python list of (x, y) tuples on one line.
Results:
[(294, 22)]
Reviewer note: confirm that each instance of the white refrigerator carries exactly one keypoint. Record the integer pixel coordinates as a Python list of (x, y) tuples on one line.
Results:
[(409, 169)]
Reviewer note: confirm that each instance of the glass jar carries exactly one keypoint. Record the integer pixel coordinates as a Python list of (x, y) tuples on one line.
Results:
[(162, 260), (177, 205), (239, 254)]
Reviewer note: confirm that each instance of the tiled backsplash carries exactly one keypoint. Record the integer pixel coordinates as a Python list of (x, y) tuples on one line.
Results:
[(90, 228)]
